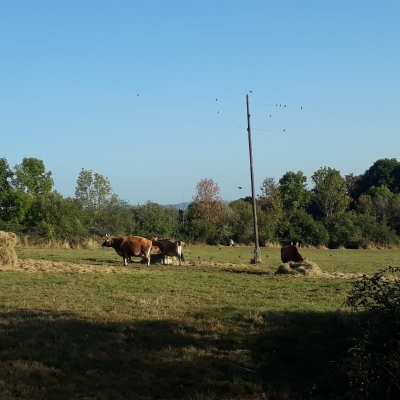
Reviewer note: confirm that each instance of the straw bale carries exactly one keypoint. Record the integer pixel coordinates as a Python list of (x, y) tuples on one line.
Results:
[(8, 256), (306, 268)]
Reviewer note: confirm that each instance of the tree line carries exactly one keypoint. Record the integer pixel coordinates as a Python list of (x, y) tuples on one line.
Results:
[(352, 211)]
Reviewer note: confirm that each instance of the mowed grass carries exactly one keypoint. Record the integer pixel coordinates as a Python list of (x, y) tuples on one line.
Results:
[(217, 327)]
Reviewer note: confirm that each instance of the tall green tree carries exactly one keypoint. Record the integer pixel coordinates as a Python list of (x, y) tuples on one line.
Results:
[(98, 200), (242, 221), (6, 175), (31, 176), (385, 171), (293, 188), (330, 191), (270, 199), (15, 205), (377, 201), (93, 190), (271, 210)]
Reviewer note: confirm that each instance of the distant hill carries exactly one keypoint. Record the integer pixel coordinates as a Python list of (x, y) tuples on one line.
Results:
[(179, 206), (185, 205)]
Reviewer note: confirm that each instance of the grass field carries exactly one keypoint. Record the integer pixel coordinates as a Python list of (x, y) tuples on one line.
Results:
[(217, 327)]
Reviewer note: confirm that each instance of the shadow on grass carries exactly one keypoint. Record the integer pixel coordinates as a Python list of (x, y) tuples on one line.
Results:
[(48, 355), (247, 271)]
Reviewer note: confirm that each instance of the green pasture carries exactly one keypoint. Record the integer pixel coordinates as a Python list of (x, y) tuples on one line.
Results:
[(217, 327), (347, 261)]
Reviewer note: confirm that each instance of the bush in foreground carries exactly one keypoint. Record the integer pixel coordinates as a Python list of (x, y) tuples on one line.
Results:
[(374, 364)]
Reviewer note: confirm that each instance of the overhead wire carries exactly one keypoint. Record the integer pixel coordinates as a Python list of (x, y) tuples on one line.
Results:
[(308, 109)]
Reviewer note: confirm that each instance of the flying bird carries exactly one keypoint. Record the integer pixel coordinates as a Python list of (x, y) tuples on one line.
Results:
[(239, 187), (284, 130)]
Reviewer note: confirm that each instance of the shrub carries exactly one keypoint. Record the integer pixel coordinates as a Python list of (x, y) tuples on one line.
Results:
[(342, 231), (374, 365)]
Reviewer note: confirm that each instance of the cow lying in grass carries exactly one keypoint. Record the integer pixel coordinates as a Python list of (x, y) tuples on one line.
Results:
[(170, 248), (129, 246), (291, 253)]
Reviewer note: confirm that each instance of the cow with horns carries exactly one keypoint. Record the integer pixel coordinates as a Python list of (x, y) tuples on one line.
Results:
[(129, 246)]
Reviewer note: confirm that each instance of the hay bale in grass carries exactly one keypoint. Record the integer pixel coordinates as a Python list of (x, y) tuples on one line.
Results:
[(306, 268), (8, 256)]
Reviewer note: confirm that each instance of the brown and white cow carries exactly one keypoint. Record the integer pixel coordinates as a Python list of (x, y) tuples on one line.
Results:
[(291, 253), (128, 246), (170, 248)]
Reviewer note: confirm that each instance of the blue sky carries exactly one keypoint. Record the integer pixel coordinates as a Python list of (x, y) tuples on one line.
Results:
[(152, 94)]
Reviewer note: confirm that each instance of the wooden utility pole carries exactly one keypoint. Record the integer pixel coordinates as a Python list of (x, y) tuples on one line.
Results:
[(257, 253)]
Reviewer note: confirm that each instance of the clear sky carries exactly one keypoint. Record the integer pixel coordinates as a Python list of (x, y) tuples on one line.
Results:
[(152, 94)]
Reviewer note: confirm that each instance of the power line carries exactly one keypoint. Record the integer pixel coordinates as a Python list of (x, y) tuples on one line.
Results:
[(310, 134), (322, 136), (280, 105)]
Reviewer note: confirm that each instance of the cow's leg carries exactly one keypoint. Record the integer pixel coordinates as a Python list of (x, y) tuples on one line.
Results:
[(125, 257), (148, 257), (179, 252), (147, 253)]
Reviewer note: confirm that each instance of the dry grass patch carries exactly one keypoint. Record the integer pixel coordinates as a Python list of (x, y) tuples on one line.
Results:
[(35, 266), (305, 268)]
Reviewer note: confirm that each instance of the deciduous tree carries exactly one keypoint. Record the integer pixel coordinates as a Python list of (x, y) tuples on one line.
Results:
[(384, 171), (93, 190), (208, 201), (294, 191), (6, 175), (330, 191), (31, 176)]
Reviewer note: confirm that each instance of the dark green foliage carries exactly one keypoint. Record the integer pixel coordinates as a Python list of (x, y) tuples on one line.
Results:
[(14, 205), (342, 231), (293, 190), (383, 172), (6, 175), (374, 365), (242, 224), (152, 219), (372, 232), (31, 176), (204, 232), (354, 212), (330, 192), (298, 225)]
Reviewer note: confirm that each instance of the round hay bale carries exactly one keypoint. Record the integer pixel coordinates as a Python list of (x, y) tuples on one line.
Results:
[(8, 256), (305, 268)]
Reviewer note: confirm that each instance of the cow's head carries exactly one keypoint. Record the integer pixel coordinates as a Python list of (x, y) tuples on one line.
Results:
[(108, 241)]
